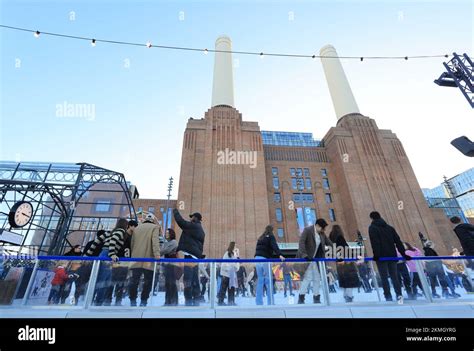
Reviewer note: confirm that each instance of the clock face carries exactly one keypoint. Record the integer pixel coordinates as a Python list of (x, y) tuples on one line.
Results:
[(20, 214)]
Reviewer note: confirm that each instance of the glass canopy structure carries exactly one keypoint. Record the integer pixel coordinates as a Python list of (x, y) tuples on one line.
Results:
[(69, 201)]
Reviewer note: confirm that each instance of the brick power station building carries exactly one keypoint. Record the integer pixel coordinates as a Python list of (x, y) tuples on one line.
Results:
[(241, 178)]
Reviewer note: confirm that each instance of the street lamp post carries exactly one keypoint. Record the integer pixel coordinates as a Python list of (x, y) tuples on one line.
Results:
[(165, 218)]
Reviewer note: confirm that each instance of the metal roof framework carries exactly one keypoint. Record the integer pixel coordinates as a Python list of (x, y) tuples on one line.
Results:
[(55, 190)]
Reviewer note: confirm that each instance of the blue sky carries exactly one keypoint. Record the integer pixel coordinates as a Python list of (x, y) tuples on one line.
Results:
[(141, 110)]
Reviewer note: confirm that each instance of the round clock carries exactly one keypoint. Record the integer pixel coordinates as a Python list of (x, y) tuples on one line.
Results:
[(20, 214)]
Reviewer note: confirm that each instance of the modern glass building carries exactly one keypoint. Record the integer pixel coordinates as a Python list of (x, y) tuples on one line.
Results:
[(459, 188), (289, 139)]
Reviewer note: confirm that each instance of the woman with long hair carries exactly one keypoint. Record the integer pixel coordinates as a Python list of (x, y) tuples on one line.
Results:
[(346, 271), (229, 277), (267, 247), (171, 270), (415, 278)]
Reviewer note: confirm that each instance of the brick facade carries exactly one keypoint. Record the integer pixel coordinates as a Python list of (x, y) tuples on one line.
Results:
[(367, 169)]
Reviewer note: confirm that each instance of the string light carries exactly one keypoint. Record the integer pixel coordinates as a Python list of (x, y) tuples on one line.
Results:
[(206, 51)]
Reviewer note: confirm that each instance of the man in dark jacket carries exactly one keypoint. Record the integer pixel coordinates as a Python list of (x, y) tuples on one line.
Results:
[(384, 239), (465, 234), (191, 244), (312, 245)]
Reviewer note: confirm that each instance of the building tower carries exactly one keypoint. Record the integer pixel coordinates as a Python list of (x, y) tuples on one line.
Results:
[(372, 169), (222, 168)]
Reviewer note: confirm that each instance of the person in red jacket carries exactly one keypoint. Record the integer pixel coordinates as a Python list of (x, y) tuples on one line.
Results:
[(57, 284)]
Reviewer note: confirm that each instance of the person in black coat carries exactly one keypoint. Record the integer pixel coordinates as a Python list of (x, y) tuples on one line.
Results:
[(191, 244), (465, 234), (384, 238), (346, 271), (75, 251), (267, 247)]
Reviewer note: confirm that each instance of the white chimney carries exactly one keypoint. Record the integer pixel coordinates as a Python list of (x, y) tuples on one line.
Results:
[(341, 93), (223, 86)]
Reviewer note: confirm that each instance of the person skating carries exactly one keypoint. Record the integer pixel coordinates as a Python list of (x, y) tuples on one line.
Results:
[(266, 248), (385, 240), (111, 244), (312, 244), (414, 276), (168, 249), (287, 271), (191, 244), (346, 271), (465, 234), (241, 277), (75, 251), (57, 284), (435, 271), (120, 269), (145, 244), (229, 277)]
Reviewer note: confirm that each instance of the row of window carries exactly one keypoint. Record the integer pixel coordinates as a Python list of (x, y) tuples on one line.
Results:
[(300, 172), (302, 198), (300, 183), (279, 215)]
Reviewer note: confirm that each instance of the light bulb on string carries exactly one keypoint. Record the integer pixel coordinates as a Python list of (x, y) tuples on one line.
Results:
[(148, 44), (37, 34), (93, 42), (206, 51)]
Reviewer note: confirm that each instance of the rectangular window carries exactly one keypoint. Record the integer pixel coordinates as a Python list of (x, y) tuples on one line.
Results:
[(162, 209), (276, 183), (276, 197), (308, 198), (151, 209), (293, 183), (300, 183), (279, 216), (306, 172), (274, 171), (140, 209), (299, 172), (292, 172), (328, 198), (324, 172), (102, 206), (308, 183), (325, 183), (332, 215), (296, 197), (281, 232)]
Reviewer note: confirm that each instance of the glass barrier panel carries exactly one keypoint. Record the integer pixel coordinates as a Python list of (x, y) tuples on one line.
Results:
[(60, 282), (449, 279), (237, 284), (181, 284), (350, 282), (15, 274), (399, 278)]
